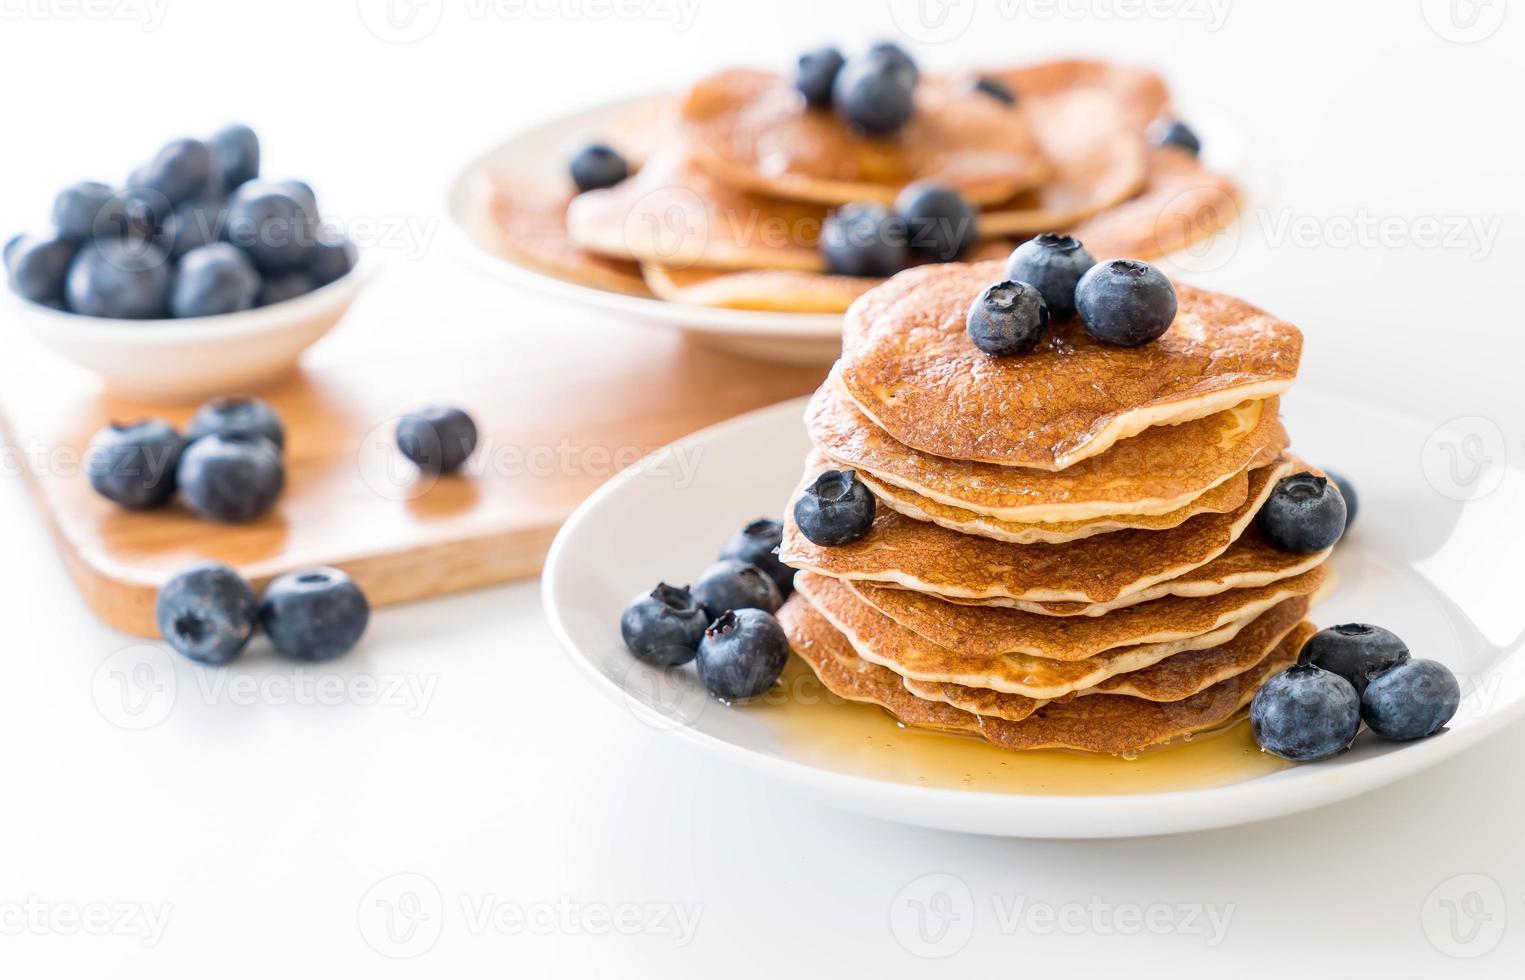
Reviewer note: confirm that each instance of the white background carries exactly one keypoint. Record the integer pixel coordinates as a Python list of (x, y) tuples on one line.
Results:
[(269, 831)]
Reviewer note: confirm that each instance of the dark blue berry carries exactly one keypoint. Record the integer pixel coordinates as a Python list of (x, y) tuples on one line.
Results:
[(37, 267), (1355, 651), (207, 612), (874, 95), (212, 280), (123, 280), (742, 654), (302, 192), (758, 543), (733, 584), (147, 212), (997, 90), (894, 56), (274, 224), (1348, 492), (437, 438), (1304, 514), (238, 416), (1125, 302), (939, 222), (1054, 264), (1007, 318), (231, 479), (598, 166), (134, 464), (192, 225), (314, 614), (237, 149), (835, 509), (814, 74), (88, 210), (1412, 700), (1305, 714), (283, 286), (865, 240), (663, 627), (1178, 134), (182, 170), (332, 259)]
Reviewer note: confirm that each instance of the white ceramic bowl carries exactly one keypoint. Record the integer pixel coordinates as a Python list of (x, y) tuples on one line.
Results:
[(185, 360)]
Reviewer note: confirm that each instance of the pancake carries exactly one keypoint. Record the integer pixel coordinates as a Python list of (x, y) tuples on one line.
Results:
[(928, 558), (1139, 97), (1161, 470), (524, 218), (675, 215), (911, 368), (1182, 204), (751, 129)]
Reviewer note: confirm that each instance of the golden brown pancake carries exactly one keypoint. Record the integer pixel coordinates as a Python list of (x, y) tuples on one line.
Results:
[(928, 558), (751, 129), (911, 368), (1159, 471), (1139, 97), (1181, 204)]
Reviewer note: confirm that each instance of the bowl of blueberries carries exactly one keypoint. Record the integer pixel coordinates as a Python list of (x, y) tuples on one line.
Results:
[(197, 276)]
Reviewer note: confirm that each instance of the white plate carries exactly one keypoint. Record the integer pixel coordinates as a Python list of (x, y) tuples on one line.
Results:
[(1439, 569), (801, 338)]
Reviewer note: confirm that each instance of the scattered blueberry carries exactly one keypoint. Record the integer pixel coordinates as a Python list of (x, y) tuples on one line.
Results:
[(237, 151), (181, 170), (273, 224), (597, 166), (893, 55), (733, 584), (207, 612), (1305, 714), (865, 240), (664, 626), (1007, 318), (231, 479), (192, 225), (758, 543), (1304, 514), (1055, 265), (238, 416), (1178, 134), (135, 464), (212, 280), (1413, 700), (437, 438), (314, 614), (997, 90), (332, 259), (1348, 492), (125, 280), (836, 509), (1125, 302), (88, 210), (38, 267), (940, 223), (814, 74), (742, 654), (1355, 651), (875, 95), (283, 286)]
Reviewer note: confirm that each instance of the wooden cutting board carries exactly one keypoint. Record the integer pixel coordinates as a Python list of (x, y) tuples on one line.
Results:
[(562, 402)]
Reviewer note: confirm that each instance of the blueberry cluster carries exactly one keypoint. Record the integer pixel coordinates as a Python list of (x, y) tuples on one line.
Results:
[(209, 613), (194, 232), (929, 223), (1347, 675), (874, 92), (724, 623)]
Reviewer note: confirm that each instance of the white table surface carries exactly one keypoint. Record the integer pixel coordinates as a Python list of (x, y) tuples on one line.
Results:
[(258, 828)]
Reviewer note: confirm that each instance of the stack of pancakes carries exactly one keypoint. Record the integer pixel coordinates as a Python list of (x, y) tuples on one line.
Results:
[(735, 178), (1064, 551)]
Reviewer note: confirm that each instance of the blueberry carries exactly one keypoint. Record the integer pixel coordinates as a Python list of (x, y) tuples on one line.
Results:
[(231, 479), (1125, 302), (1355, 651), (758, 543), (212, 280), (207, 612), (88, 210), (147, 212), (314, 613), (836, 509), (238, 416), (286, 285), (663, 627), (1007, 318), (940, 223), (437, 438), (1348, 492), (38, 266), (274, 224), (181, 170), (11, 244), (865, 240), (597, 166), (874, 95), (192, 225), (1054, 264), (742, 654), (134, 464), (1178, 134), (997, 90), (1304, 514), (814, 74), (1413, 700), (302, 191), (1305, 714), (237, 151), (733, 584), (332, 259), (124, 280), (893, 55)]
